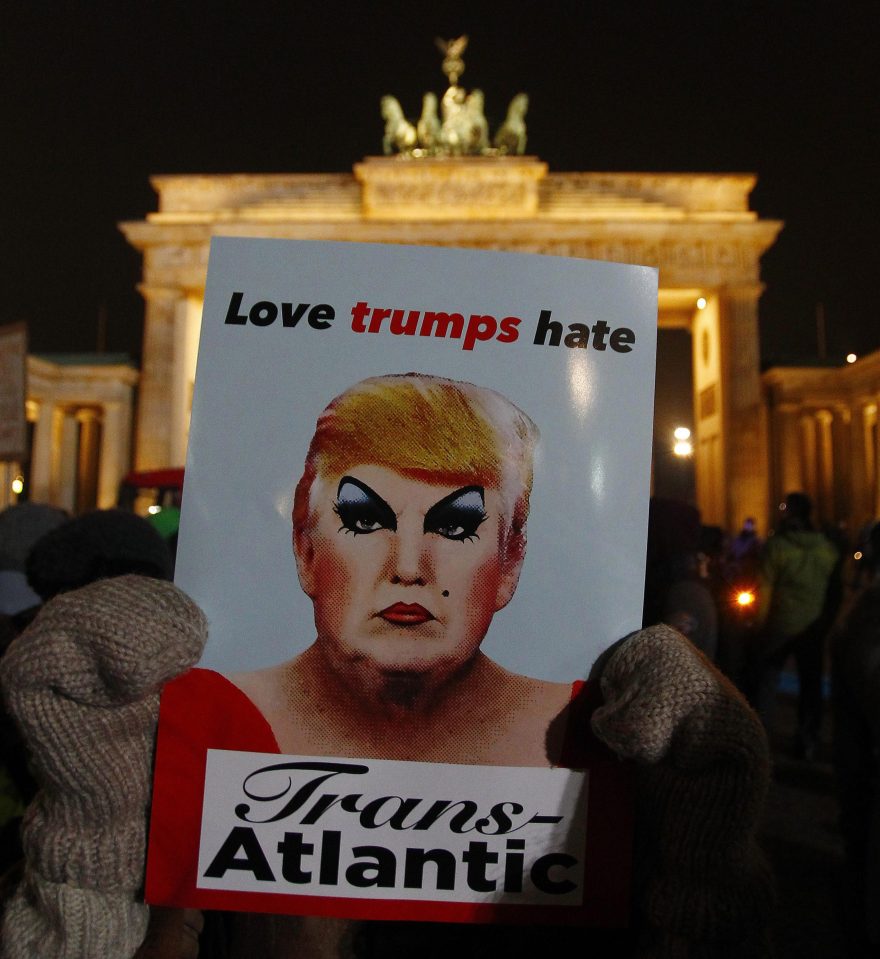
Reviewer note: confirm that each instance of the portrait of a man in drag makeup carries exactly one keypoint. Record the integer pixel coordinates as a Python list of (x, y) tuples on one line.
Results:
[(409, 533)]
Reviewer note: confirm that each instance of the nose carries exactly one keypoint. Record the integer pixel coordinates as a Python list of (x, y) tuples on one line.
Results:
[(410, 561)]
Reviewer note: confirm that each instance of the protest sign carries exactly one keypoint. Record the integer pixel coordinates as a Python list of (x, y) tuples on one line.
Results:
[(415, 513)]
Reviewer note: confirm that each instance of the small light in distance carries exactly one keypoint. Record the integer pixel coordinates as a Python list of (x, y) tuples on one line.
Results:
[(851, 357), (683, 448), (857, 555), (745, 598), (701, 303), (152, 510), (18, 485), (681, 433)]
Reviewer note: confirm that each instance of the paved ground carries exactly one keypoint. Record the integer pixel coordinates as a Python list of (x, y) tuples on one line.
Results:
[(801, 837)]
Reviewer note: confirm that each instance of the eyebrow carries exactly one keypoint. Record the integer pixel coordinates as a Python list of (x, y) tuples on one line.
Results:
[(432, 514), (375, 500), (437, 510)]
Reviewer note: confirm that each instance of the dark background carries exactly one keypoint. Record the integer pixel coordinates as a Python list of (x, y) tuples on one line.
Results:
[(97, 96)]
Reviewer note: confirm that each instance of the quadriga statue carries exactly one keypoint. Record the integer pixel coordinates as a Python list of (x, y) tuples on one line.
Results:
[(511, 136), (460, 129), (400, 134)]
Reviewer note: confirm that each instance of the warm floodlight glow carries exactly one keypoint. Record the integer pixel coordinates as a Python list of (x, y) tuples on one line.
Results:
[(681, 433), (745, 598), (683, 448), (152, 510), (851, 357), (701, 303), (857, 555), (18, 485)]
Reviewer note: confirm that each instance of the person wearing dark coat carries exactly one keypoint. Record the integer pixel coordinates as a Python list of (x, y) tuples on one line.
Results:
[(855, 660), (795, 571)]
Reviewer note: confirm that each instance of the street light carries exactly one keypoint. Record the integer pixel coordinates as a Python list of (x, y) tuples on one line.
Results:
[(682, 445), (851, 357)]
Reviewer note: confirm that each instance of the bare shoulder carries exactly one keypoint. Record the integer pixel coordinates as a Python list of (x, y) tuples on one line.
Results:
[(526, 717), (265, 688), (540, 697), (531, 698)]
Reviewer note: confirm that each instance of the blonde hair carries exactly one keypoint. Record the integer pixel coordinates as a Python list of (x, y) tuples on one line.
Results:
[(429, 428)]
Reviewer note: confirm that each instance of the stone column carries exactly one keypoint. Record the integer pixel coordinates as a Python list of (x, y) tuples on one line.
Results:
[(786, 474), (41, 455), (65, 495), (825, 467), (862, 466), (156, 384), (114, 454), (89, 458), (708, 412), (809, 454), (8, 472), (745, 441), (187, 325), (843, 465)]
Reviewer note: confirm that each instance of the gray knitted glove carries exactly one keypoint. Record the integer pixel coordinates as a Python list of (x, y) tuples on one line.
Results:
[(83, 684), (703, 887)]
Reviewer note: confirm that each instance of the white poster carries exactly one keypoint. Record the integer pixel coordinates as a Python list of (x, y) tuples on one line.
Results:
[(415, 513)]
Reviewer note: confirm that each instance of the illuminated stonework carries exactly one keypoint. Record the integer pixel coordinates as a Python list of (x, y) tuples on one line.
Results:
[(824, 438), (461, 189), (697, 228), (81, 411)]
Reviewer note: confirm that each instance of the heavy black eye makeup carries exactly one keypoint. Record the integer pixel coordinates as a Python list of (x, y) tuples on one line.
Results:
[(361, 509), (458, 515)]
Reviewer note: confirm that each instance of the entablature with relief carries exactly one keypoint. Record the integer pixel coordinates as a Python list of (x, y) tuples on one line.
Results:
[(467, 188), (688, 254), (697, 228), (814, 387), (80, 382)]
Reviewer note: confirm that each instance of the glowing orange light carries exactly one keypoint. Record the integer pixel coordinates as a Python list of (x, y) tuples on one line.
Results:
[(745, 598), (857, 555)]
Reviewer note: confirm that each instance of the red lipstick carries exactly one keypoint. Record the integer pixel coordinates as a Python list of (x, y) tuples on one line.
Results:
[(406, 614)]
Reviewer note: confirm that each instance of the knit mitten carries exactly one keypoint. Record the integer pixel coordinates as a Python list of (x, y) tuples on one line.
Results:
[(83, 685), (702, 886)]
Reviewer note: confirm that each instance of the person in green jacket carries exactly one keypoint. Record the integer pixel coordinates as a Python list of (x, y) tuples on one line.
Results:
[(795, 570)]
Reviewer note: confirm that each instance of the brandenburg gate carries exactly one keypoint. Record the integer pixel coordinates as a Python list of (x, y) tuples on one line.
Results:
[(442, 184)]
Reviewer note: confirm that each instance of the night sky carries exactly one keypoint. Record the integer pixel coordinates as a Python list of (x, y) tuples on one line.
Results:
[(97, 96)]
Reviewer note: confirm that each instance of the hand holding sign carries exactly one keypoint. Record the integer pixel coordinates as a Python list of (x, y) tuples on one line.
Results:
[(703, 771), (134, 633), (83, 684)]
